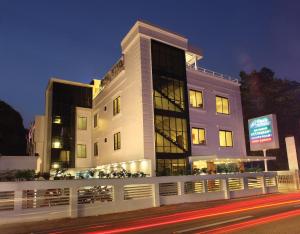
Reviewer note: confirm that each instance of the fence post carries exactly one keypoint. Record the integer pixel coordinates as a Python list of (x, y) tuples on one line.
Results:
[(73, 207), (180, 188), (245, 183), (18, 200), (205, 190), (155, 194), (225, 188), (263, 185)]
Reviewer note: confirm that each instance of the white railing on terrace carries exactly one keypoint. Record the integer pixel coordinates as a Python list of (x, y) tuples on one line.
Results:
[(212, 73)]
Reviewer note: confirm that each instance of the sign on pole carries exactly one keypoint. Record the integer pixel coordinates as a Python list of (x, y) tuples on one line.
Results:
[(263, 133)]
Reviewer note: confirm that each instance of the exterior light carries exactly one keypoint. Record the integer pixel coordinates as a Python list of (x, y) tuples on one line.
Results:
[(56, 144), (55, 165)]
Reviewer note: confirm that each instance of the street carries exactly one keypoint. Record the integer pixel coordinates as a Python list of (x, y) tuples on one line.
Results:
[(276, 213)]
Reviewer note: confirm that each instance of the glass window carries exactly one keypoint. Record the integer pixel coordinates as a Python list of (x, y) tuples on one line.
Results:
[(222, 105), (225, 138), (81, 151), (95, 120), (116, 106), (196, 99), (117, 141), (198, 136), (95, 149), (82, 123)]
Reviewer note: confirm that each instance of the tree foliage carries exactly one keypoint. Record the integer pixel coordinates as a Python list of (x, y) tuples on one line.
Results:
[(262, 93), (12, 131)]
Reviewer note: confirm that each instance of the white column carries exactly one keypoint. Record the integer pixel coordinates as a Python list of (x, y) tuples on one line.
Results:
[(18, 200), (264, 186), (155, 195), (225, 188), (73, 207)]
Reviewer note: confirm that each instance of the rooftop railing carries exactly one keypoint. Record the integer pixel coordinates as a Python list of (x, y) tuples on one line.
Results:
[(212, 73), (113, 72)]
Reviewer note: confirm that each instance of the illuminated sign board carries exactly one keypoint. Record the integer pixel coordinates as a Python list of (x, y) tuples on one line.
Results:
[(263, 133)]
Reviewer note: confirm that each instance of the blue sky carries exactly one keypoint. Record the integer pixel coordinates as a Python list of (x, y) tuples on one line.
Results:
[(80, 40)]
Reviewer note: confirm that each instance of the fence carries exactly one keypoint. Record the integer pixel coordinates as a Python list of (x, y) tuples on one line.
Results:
[(40, 200), (288, 180)]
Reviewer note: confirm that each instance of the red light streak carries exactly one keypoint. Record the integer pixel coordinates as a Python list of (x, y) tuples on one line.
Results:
[(236, 207), (251, 223)]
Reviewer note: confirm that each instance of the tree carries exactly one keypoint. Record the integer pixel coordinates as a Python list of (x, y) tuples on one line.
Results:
[(262, 93), (12, 131)]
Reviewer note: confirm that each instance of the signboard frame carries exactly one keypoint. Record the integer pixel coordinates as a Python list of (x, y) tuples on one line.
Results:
[(268, 127)]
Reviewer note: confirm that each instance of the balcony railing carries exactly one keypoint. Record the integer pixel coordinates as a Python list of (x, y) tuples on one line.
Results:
[(113, 72), (212, 73)]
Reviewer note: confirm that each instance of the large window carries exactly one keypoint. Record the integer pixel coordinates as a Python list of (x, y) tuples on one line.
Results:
[(82, 123), (171, 134), (95, 149), (196, 99), (225, 138), (116, 106), (222, 105), (117, 141), (168, 94), (81, 151), (198, 136), (95, 120)]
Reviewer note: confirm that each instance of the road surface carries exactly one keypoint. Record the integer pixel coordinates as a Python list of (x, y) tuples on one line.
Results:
[(277, 213)]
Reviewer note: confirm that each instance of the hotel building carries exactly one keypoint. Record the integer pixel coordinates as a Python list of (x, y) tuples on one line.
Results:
[(155, 111)]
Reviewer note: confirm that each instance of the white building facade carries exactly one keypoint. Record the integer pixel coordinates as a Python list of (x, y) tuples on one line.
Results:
[(155, 111)]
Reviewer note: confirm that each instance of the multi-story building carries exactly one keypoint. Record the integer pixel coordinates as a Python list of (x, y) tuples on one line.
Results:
[(155, 111)]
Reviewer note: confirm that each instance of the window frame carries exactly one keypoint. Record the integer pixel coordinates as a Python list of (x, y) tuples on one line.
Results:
[(77, 151), (198, 128), (222, 98), (82, 117), (226, 131), (117, 105), (117, 141), (196, 91)]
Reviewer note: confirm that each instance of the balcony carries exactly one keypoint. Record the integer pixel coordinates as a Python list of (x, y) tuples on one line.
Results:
[(194, 66)]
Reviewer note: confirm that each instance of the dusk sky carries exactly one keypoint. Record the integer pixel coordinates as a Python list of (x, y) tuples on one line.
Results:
[(80, 40)]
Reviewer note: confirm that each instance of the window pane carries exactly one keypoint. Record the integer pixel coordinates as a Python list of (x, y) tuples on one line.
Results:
[(195, 136), (222, 138), (81, 151), (225, 106), (117, 141), (116, 106), (95, 149), (192, 98), (82, 123), (95, 120), (199, 99), (219, 105), (229, 138), (202, 136)]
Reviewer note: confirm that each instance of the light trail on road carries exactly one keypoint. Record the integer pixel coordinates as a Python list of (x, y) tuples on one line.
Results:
[(251, 223), (235, 207)]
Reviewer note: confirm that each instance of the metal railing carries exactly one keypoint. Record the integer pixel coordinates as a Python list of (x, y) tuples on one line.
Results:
[(212, 73)]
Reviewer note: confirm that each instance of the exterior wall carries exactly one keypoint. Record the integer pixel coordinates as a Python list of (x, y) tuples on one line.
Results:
[(129, 122), (18, 163), (39, 136), (84, 137), (147, 99), (208, 119)]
